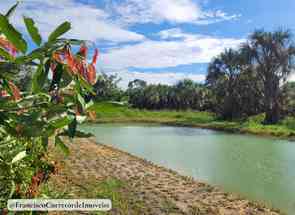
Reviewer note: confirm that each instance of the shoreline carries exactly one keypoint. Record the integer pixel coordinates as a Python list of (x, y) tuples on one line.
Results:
[(213, 126), (159, 189)]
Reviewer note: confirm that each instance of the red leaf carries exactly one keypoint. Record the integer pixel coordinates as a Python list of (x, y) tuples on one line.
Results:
[(57, 57), (91, 74), (81, 67), (71, 61), (15, 91), (95, 56), (83, 50)]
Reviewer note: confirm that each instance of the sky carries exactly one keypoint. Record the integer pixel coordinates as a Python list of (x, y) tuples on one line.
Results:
[(159, 41)]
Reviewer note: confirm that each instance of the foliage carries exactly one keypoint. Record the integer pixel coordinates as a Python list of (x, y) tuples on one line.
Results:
[(240, 83), (184, 95), (289, 122), (249, 81), (106, 88), (288, 99), (271, 55), (52, 106), (236, 89)]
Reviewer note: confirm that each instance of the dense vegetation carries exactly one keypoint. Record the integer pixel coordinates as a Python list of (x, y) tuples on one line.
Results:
[(240, 83), (116, 113), (40, 109), (184, 95)]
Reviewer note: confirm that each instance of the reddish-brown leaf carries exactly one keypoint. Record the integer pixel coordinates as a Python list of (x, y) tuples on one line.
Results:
[(15, 91), (95, 56), (83, 50), (91, 74), (71, 61), (57, 57)]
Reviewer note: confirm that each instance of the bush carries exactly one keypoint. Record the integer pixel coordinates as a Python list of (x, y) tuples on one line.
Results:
[(257, 119), (54, 104), (289, 122)]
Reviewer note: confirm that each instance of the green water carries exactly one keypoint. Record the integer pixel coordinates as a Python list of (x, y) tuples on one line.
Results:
[(258, 168)]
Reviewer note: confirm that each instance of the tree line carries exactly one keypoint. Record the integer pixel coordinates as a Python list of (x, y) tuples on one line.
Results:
[(251, 80), (240, 82)]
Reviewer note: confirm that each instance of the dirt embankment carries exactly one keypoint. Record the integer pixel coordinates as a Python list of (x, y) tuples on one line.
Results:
[(149, 189)]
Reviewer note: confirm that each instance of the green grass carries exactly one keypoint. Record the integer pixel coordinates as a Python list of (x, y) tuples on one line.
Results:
[(113, 189), (112, 113), (107, 112)]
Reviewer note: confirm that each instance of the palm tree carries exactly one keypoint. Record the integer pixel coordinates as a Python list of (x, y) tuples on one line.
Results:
[(271, 54), (223, 73)]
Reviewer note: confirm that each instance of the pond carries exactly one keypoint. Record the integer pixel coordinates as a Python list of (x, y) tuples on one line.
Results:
[(257, 168)]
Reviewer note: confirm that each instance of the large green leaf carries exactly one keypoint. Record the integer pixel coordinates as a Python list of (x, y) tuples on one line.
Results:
[(59, 143), (66, 78), (71, 41), (35, 54), (40, 77), (11, 10), (19, 157), (86, 85), (57, 75), (81, 100), (60, 30), (12, 34), (12, 189), (33, 30), (62, 122)]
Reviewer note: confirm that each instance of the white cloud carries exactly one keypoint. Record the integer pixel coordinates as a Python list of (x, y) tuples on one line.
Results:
[(187, 49), (175, 11), (156, 78), (96, 24), (89, 22), (172, 33)]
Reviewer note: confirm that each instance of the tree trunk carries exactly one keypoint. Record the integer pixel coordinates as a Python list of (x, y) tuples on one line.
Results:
[(272, 106)]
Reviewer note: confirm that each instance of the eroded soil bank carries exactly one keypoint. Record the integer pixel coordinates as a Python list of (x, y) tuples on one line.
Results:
[(145, 188)]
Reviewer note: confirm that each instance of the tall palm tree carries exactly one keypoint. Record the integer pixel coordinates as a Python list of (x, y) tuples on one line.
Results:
[(271, 54)]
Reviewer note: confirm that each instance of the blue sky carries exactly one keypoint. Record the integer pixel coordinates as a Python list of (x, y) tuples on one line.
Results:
[(160, 41)]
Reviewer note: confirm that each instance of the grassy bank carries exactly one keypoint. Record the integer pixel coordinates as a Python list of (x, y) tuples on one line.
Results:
[(112, 113)]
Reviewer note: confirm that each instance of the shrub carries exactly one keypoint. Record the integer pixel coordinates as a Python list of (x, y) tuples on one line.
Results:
[(56, 102), (289, 122)]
